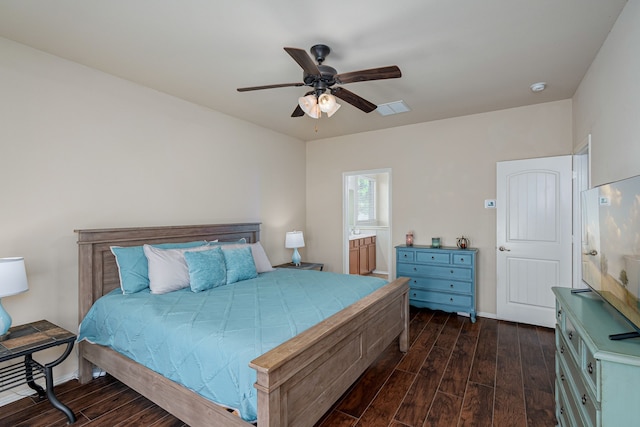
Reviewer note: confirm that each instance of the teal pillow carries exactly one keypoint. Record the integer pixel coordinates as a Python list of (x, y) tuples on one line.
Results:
[(133, 267), (206, 269), (240, 264)]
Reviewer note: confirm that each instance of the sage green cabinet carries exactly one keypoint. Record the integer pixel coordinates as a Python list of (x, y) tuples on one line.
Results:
[(597, 379)]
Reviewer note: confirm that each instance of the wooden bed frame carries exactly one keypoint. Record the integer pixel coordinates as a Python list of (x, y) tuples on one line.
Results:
[(297, 382)]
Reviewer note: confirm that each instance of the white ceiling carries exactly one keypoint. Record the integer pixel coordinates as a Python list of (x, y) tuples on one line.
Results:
[(457, 57)]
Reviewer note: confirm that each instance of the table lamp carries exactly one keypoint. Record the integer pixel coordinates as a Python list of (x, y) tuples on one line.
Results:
[(294, 240), (13, 280)]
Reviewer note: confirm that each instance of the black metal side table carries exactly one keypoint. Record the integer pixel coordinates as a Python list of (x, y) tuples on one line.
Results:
[(24, 340)]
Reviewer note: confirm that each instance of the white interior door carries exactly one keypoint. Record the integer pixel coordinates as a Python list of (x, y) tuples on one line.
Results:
[(534, 232)]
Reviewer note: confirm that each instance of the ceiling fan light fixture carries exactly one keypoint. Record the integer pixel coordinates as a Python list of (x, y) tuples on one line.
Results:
[(309, 105), (333, 110), (327, 102)]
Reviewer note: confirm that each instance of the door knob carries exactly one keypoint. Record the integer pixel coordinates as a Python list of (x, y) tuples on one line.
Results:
[(502, 248), (592, 252)]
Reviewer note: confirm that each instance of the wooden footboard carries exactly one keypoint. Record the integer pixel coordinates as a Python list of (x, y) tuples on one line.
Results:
[(301, 379), (297, 382)]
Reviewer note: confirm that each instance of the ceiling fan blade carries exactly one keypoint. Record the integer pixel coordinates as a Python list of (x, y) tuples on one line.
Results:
[(246, 89), (353, 99), (390, 72), (304, 60), (297, 112)]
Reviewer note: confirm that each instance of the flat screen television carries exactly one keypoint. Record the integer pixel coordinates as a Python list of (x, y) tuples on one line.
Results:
[(611, 246)]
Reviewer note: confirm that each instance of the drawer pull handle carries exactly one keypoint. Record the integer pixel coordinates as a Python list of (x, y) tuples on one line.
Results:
[(451, 271), (570, 335), (590, 367), (559, 314), (562, 349), (450, 299), (562, 410), (451, 285), (415, 269), (433, 257), (584, 399), (561, 377)]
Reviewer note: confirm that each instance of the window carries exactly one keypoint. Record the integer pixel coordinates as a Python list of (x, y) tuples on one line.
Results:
[(365, 200)]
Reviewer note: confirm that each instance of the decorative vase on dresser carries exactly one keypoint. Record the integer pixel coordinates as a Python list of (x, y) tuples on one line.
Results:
[(440, 278), (597, 379)]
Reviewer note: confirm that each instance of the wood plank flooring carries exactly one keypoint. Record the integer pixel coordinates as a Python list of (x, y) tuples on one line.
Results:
[(491, 373)]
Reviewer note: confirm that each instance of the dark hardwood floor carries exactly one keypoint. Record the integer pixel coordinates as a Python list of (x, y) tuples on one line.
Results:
[(491, 373)]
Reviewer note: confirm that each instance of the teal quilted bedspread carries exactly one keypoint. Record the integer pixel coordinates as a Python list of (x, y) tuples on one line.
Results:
[(206, 340)]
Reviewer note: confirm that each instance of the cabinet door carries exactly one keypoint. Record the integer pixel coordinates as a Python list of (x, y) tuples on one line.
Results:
[(354, 260), (372, 255), (364, 259)]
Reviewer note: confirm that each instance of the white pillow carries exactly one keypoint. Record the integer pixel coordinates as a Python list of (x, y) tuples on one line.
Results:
[(260, 258), (168, 270)]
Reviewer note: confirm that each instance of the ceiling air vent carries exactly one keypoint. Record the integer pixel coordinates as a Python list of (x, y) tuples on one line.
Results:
[(390, 108)]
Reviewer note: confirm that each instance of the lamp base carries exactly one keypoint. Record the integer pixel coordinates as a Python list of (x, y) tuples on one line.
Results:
[(295, 259), (5, 322)]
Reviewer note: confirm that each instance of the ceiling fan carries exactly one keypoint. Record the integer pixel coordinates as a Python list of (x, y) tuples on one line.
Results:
[(322, 79)]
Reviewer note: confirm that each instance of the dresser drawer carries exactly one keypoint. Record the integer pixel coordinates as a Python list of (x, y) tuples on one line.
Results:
[(405, 256), (433, 257), (440, 298), (427, 284), (462, 259), (591, 371), (572, 337), (412, 270), (566, 411), (585, 403)]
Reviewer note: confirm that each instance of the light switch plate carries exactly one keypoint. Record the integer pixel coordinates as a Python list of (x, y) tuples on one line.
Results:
[(490, 204)]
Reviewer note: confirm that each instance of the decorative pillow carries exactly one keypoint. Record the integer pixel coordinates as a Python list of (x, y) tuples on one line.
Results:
[(168, 269), (206, 269), (240, 265), (133, 267), (260, 258)]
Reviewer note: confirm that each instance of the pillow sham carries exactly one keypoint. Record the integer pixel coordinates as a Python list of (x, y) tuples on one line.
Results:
[(168, 270), (207, 269), (260, 257), (133, 266), (240, 265)]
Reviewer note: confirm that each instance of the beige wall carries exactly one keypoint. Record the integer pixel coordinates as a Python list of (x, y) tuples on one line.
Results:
[(442, 172), (82, 149), (607, 103)]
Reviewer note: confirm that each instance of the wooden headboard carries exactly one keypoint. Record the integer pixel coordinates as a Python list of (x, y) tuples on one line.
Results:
[(98, 271)]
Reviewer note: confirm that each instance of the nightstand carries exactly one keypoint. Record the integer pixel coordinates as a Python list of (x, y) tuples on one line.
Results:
[(24, 340), (302, 266)]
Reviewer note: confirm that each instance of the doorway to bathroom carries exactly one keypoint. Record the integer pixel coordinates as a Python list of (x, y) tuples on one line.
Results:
[(366, 221)]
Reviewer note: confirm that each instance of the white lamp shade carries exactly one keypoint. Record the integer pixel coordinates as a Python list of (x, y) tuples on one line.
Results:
[(309, 105), (294, 239), (13, 276), (326, 102), (333, 110)]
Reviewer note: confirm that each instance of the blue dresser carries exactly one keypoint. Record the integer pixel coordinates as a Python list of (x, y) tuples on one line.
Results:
[(441, 279), (597, 379)]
